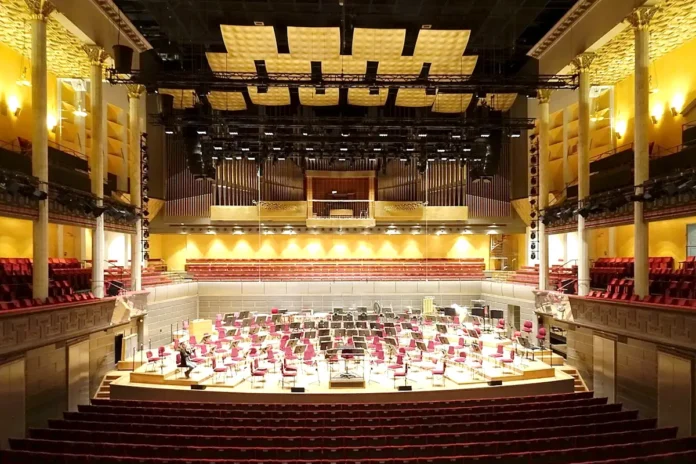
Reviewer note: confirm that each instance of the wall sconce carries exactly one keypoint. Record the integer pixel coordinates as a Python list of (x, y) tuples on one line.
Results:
[(654, 119), (620, 128), (51, 122), (13, 105), (656, 112), (677, 104)]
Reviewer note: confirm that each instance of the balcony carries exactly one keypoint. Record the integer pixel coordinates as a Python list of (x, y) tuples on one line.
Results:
[(340, 213)]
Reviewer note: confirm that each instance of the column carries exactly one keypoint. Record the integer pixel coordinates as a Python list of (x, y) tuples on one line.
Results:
[(544, 95), (39, 156), (582, 65), (640, 20), (134, 92), (97, 57), (82, 239)]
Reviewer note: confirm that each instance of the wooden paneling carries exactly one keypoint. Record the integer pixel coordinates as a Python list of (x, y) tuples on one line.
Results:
[(186, 197), (347, 189), (491, 199)]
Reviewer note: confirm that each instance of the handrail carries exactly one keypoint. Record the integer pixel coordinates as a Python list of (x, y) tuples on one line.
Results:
[(339, 201), (613, 151)]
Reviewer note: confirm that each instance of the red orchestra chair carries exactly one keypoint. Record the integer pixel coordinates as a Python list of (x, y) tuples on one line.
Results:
[(441, 373), (287, 374), (256, 373), (402, 373), (217, 370)]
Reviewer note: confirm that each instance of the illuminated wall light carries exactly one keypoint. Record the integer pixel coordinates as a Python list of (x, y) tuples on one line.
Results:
[(51, 122), (620, 128), (656, 112), (677, 104), (13, 105)]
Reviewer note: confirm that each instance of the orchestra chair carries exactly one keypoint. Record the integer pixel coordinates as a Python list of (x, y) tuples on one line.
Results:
[(461, 359), (230, 364), (152, 360), (402, 373), (527, 328), (500, 328), (440, 372), (162, 353), (509, 360), (498, 353), (271, 359), (217, 370), (178, 370), (287, 375), (541, 337), (202, 358), (257, 375), (399, 363), (287, 367)]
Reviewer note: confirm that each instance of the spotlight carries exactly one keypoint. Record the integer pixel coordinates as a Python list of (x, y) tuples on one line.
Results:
[(515, 134), (169, 131), (269, 132), (410, 147), (485, 133), (533, 256), (233, 131), (33, 192), (345, 133), (262, 88), (689, 184), (456, 136), (343, 147), (374, 90)]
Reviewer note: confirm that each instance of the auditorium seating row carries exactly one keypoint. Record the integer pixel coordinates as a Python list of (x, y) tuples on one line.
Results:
[(479, 261), (560, 278), (51, 300), (603, 270), (675, 293), (175, 432)]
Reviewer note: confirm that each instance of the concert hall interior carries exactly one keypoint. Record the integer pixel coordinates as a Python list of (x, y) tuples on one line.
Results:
[(348, 231)]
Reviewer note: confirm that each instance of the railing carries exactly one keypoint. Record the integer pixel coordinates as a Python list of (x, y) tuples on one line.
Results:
[(613, 151), (341, 209)]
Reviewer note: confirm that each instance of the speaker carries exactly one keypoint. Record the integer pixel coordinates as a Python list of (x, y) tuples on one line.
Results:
[(198, 387), (150, 65), (165, 105), (495, 383), (405, 388), (297, 390), (123, 59)]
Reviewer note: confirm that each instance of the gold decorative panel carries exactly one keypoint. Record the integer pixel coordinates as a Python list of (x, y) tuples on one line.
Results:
[(182, 98), (673, 24), (234, 213), (462, 65), (378, 44), (314, 43), (284, 63), (224, 62), (501, 101), (451, 102), (344, 65), (227, 101), (276, 96), (433, 44), (256, 42), (362, 97), (402, 65), (309, 97), (65, 56), (414, 98)]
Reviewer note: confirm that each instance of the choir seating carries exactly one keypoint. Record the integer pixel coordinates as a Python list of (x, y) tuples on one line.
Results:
[(558, 429), (561, 278), (284, 270)]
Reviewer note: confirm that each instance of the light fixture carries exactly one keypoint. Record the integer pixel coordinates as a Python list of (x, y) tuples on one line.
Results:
[(466, 147), (309, 148), (276, 148), (169, 131), (51, 122), (238, 231), (13, 105), (269, 132), (677, 104), (403, 160), (281, 158), (345, 133), (377, 149), (245, 148), (234, 131), (251, 158), (238, 157), (343, 148), (311, 158), (422, 133), (217, 146), (374, 90), (620, 128), (440, 150), (383, 134), (334, 192), (485, 133), (515, 134), (441, 232), (23, 81), (341, 159), (201, 131), (410, 148)]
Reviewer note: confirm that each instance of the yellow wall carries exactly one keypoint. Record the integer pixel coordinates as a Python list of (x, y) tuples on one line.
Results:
[(666, 238), (16, 238), (674, 75), (175, 249)]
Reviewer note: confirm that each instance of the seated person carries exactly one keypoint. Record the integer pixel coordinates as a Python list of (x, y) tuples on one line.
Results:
[(186, 353)]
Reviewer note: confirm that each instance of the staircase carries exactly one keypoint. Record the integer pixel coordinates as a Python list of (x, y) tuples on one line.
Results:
[(579, 383), (104, 391)]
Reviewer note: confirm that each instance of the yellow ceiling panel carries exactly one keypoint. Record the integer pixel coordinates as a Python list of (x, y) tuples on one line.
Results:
[(378, 44), (451, 102), (362, 97), (501, 101), (256, 42), (276, 96), (309, 97), (435, 44), (413, 98), (344, 65), (227, 101), (284, 63), (224, 62), (182, 98), (314, 43), (461, 65), (401, 65)]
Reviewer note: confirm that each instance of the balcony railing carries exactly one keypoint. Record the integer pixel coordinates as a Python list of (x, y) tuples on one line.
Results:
[(341, 209)]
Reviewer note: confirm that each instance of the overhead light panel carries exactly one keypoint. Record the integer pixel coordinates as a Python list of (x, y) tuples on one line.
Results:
[(515, 134), (466, 147), (374, 90), (485, 133)]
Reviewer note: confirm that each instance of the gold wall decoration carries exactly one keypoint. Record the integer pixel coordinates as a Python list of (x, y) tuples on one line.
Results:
[(401, 65), (309, 97), (183, 98), (344, 65), (673, 24), (451, 102), (397, 206), (378, 44), (65, 57), (227, 101), (438, 44), (314, 43), (275, 96)]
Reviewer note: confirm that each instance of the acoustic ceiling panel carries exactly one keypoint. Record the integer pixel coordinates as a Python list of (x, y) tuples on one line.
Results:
[(462, 65), (501, 101), (344, 65), (413, 98), (224, 62), (401, 65), (275, 96), (451, 102), (378, 44), (314, 43), (362, 97), (433, 44), (284, 63), (182, 98), (309, 97), (227, 101), (256, 42)]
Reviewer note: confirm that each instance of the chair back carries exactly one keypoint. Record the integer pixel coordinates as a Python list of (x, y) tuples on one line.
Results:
[(450, 350), (178, 359), (542, 332), (160, 350), (528, 326), (192, 340), (221, 333), (148, 354)]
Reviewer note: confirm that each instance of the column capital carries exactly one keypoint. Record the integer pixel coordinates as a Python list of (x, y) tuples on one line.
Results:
[(135, 90), (97, 55), (544, 95), (40, 9), (640, 17), (582, 62)]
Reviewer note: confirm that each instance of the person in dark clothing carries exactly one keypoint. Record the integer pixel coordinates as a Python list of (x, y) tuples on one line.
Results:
[(186, 353)]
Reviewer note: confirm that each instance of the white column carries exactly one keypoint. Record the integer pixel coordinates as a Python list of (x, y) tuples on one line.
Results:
[(39, 156), (134, 92), (567, 176), (544, 96), (97, 56), (640, 20), (125, 164), (582, 64)]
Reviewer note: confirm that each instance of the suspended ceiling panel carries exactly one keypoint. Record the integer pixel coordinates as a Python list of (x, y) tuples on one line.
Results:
[(256, 42), (314, 43), (227, 101), (182, 98), (309, 97), (284, 63), (344, 65), (401, 65), (501, 101), (462, 65), (378, 44), (225, 62), (433, 44), (451, 102), (276, 96), (413, 98), (362, 97)]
